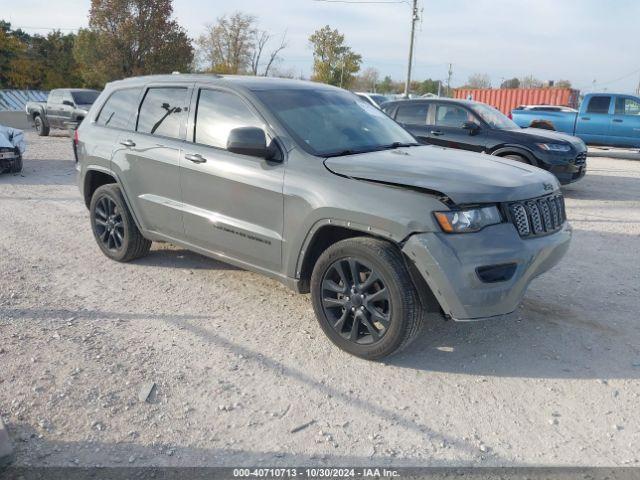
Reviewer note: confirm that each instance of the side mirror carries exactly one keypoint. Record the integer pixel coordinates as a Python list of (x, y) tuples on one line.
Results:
[(249, 141), (68, 103), (472, 127)]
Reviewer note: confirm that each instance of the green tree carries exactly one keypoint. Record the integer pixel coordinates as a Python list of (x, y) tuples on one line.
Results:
[(132, 37), (510, 83), (333, 61), (386, 85), (427, 86), (86, 51), (57, 63)]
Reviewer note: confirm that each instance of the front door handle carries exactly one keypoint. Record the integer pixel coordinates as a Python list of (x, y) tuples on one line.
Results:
[(128, 143), (618, 120), (585, 118), (436, 132), (195, 158)]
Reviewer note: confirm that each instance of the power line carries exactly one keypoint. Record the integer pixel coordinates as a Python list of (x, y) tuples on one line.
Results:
[(612, 81)]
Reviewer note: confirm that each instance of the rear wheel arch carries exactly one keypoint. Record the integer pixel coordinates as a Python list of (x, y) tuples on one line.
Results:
[(93, 180)]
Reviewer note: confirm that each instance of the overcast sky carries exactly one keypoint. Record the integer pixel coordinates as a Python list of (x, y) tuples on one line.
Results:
[(579, 40)]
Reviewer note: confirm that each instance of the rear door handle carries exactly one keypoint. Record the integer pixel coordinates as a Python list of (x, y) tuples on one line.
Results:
[(436, 132), (618, 120), (585, 118), (195, 158), (128, 143)]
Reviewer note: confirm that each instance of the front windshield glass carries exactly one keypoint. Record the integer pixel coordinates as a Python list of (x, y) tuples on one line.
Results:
[(495, 118), (332, 122)]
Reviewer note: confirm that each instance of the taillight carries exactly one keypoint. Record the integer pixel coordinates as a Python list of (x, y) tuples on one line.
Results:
[(76, 139), (510, 116)]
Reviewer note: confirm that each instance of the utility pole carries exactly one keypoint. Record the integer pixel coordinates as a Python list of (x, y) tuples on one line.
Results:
[(414, 19), (449, 79), (638, 88)]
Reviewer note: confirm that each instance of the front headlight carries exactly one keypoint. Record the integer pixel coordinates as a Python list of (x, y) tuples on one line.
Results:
[(468, 220), (554, 147)]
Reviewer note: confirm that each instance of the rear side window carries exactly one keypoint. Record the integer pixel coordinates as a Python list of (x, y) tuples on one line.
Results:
[(412, 114), (163, 111), (217, 114), (452, 116), (119, 108), (627, 106), (599, 105)]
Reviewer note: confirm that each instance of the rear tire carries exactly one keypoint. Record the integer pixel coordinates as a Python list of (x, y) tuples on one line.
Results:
[(382, 304), (113, 226), (41, 128)]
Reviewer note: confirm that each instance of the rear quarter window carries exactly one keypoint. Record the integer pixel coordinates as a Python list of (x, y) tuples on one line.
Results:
[(119, 108)]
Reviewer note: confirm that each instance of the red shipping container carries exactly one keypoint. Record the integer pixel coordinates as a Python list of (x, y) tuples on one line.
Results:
[(506, 99)]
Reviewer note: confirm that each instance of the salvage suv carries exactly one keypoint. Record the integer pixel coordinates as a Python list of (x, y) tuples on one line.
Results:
[(309, 185)]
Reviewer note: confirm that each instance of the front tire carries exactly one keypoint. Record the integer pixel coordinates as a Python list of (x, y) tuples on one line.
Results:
[(113, 226), (364, 298), (41, 128)]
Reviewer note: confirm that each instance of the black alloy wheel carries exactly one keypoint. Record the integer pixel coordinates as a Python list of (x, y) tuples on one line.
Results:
[(364, 297), (109, 224), (113, 226), (356, 301)]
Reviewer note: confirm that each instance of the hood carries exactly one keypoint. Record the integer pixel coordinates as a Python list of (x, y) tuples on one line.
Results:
[(11, 138), (464, 177), (547, 136)]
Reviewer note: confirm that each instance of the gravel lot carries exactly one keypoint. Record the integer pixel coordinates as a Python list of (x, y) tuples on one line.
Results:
[(244, 375)]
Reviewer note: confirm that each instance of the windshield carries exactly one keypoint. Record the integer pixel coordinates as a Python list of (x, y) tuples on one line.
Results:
[(85, 98), (332, 122), (495, 118)]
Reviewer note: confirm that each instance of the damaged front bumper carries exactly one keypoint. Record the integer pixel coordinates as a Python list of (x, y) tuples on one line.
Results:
[(453, 267)]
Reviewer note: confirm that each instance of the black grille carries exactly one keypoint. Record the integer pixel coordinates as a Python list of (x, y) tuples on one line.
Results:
[(538, 216), (581, 158)]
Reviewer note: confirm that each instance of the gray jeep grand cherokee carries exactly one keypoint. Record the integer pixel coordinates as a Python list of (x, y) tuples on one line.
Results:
[(309, 185)]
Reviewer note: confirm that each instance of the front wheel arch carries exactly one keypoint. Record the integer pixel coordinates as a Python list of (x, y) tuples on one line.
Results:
[(505, 151)]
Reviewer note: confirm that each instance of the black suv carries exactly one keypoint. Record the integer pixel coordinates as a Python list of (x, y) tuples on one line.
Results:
[(478, 127)]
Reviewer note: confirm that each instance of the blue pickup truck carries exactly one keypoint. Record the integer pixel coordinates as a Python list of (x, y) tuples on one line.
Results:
[(603, 119)]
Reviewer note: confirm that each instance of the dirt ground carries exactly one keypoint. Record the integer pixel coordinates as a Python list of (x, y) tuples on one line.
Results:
[(244, 376)]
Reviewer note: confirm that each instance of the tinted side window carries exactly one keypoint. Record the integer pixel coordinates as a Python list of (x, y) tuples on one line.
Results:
[(599, 105), (119, 108), (627, 106), (452, 116), (162, 111), (217, 114), (412, 114)]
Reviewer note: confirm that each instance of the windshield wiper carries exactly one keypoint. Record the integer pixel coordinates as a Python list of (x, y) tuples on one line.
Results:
[(354, 151), (349, 151), (393, 145)]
